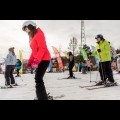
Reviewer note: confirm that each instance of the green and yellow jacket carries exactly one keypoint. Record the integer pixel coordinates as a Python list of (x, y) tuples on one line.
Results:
[(104, 55)]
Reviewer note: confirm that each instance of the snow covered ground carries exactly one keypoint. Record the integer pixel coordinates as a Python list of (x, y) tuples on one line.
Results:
[(70, 88)]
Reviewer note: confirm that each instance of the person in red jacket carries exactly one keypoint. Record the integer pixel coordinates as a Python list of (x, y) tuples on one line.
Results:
[(40, 56)]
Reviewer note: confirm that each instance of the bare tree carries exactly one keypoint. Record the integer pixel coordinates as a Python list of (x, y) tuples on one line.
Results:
[(73, 44)]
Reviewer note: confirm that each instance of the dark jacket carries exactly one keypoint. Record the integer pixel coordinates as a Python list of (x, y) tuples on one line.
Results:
[(71, 59)]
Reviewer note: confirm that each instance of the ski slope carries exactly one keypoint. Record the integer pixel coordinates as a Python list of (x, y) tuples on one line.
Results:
[(69, 87)]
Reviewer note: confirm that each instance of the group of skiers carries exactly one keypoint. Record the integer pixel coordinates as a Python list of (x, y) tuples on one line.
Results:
[(40, 59), (103, 52)]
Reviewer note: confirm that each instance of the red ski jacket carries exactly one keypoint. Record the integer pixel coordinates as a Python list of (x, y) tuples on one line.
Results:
[(39, 47)]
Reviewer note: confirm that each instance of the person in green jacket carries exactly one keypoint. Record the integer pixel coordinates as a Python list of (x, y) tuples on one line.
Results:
[(102, 51)]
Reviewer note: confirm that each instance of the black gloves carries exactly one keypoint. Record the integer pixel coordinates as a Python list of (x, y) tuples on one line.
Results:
[(90, 53), (99, 50)]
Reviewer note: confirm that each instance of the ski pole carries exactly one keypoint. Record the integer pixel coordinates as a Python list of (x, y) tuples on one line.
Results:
[(21, 78), (97, 75), (89, 65)]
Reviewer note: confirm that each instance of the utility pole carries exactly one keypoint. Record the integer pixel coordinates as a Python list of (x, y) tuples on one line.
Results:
[(83, 37)]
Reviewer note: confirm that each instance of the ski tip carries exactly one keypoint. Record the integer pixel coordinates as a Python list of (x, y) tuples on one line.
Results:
[(58, 97)]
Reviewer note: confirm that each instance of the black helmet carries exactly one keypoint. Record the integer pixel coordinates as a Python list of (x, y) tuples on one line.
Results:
[(99, 36), (69, 53)]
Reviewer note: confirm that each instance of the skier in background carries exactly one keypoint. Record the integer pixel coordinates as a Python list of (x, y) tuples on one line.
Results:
[(118, 63), (113, 52), (102, 51), (71, 65), (88, 65), (10, 62), (18, 67), (80, 66), (84, 67)]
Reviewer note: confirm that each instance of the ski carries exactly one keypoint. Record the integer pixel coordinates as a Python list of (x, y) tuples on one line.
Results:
[(99, 87), (58, 97), (5, 87), (67, 78), (52, 97), (12, 86), (93, 85), (89, 86)]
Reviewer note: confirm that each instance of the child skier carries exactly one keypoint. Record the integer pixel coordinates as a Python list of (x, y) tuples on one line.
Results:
[(18, 67)]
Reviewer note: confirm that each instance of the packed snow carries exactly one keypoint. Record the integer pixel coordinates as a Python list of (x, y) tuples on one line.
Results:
[(67, 87)]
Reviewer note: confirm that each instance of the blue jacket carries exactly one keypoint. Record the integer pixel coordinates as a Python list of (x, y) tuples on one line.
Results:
[(18, 65), (80, 64)]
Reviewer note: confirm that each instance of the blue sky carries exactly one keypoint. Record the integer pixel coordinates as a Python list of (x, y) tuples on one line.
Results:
[(57, 33)]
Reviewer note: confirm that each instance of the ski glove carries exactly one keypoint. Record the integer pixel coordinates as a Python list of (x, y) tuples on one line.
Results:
[(35, 63), (99, 50), (28, 65)]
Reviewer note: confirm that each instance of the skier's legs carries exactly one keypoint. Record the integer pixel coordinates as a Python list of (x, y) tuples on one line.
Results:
[(102, 71), (7, 75), (79, 69), (40, 87), (70, 70), (108, 71), (18, 72), (11, 74), (88, 68)]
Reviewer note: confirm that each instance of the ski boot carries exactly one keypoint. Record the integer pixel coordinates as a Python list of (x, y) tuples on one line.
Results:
[(73, 77), (69, 77), (49, 97), (9, 86), (109, 84), (6, 86), (100, 83), (35, 98), (17, 76), (14, 84)]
